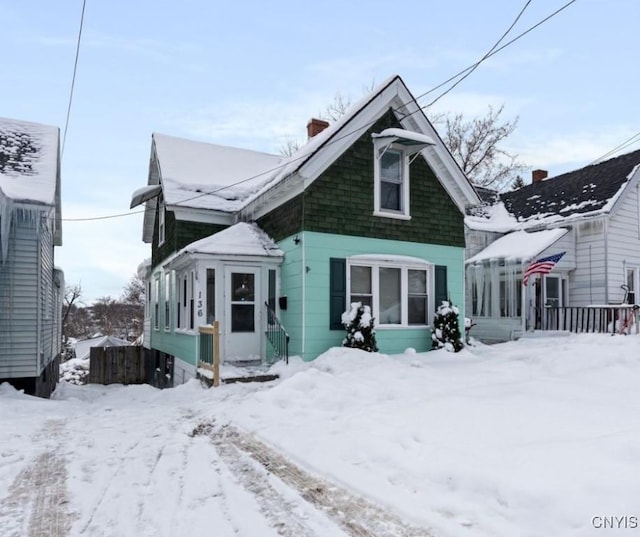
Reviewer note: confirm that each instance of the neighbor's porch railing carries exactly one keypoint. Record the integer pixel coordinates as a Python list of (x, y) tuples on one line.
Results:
[(619, 318), (277, 335)]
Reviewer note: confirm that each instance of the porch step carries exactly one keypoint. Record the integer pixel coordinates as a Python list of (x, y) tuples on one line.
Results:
[(244, 363), (251, 378)]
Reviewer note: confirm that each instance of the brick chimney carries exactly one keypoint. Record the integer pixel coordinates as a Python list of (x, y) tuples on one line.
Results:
[(538, 176), (316, 126)]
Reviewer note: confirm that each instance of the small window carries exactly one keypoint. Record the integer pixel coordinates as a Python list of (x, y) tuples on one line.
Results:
[(391, 195)]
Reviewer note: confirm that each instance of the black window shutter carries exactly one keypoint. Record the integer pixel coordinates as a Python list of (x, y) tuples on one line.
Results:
[(441, 290), (337, 292)]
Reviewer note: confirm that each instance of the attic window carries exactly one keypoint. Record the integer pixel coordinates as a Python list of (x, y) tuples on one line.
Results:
[(394, 150), (161, 224)]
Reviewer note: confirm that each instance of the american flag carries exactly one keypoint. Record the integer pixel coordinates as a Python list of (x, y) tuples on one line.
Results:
[(541, 266)]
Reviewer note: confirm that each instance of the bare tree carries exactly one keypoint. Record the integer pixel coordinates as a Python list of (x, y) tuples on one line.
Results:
[(476, 146), (72, 294)]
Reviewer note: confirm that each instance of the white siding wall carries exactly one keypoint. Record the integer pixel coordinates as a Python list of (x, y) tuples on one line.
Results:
[(19, 300), (47, 301), (623, 242), (587, 284)]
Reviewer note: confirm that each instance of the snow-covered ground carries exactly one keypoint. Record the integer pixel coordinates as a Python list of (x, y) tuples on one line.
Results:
[(538, 437)]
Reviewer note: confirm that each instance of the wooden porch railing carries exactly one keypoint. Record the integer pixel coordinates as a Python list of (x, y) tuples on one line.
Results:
[(210, 350), (619, 318)]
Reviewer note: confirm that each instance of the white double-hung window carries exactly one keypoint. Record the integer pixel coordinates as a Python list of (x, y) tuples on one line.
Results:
[(394, 150), (396, 288)]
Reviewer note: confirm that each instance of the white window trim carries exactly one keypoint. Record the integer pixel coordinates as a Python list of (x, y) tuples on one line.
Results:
[(167, 301), (156, 302), (377, 209), (405, 264)]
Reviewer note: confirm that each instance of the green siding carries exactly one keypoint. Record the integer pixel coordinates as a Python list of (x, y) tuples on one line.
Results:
[(341, 200), (317, 249), (178, 234)]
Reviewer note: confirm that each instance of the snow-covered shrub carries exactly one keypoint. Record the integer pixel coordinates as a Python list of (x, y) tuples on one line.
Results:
[(361, 333), (446, 329)]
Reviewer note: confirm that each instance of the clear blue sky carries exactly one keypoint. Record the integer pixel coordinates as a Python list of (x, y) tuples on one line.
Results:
[(251, 74)]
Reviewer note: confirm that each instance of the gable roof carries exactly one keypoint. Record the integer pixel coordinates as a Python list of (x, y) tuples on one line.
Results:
[(209, 176), (589, 190), (308, 163), (199, 175)]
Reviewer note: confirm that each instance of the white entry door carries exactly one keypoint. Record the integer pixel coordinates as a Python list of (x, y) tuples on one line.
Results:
[(243, 334)]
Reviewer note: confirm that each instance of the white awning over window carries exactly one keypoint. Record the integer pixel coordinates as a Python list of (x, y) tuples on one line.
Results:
[(411, 142), (144, 194)]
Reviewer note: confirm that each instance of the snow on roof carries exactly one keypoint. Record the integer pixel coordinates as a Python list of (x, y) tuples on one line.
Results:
[(83, 347), (491, 218), (204, 175), (519, 245), (28, 161), (239, 239), (405, 134), (294, 162)]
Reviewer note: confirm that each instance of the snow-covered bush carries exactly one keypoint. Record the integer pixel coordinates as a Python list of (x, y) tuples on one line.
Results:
[(361, 333), (446, 329)]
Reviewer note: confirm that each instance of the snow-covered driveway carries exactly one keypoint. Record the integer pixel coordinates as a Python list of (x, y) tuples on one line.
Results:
[(135, 461), (530, 439)]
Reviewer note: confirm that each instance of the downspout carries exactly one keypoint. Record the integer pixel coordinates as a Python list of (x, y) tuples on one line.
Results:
[(524, 306), (303, 268), (606, 260)]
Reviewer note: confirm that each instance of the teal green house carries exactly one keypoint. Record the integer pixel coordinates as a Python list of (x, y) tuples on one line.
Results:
[(370, 209)]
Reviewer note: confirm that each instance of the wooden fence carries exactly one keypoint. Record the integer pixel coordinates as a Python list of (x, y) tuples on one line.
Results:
[(116, 365)]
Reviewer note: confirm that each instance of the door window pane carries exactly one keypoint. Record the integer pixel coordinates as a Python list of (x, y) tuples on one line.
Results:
[(242, 287), (553, 292), (242, 318), (390, 301)]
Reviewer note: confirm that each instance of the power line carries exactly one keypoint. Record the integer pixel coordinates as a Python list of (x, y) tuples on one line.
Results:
[(355, 131), (486, 57), (629, 141), (475, 66), (73, 79)]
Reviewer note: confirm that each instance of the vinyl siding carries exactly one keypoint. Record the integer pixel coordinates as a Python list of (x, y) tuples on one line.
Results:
[(623, 242), (19, 300)]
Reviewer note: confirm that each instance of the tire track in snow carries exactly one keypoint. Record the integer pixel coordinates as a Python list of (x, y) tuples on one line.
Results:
[(39, 491), (357, 516)]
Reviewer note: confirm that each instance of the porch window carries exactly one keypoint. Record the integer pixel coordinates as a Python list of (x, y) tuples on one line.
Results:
[(167, 296), (632, 274), (496, 288), (211, 296), (191, 299), (156, 306), (396, 294)]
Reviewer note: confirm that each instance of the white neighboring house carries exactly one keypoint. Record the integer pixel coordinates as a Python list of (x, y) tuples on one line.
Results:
[(31, 287), (592, 214), (83, 347)]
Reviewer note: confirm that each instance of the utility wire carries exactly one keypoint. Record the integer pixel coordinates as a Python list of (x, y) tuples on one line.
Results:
[(355, 131), (629, 141), (487, 56), (73, 79), (475, 66)]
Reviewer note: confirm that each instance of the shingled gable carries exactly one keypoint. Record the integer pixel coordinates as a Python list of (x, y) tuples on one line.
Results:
[(307, 164), (589, 191)]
